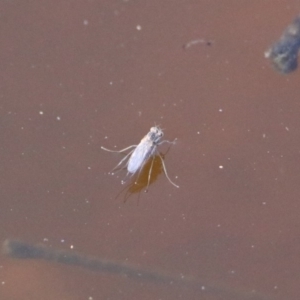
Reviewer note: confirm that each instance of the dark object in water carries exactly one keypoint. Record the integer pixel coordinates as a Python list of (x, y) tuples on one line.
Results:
[(284, 52), (21, 250)]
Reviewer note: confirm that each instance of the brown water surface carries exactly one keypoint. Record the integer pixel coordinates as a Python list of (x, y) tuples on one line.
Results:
[(78, 75)]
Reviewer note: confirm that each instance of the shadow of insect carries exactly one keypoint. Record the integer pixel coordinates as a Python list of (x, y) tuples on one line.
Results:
[(147, 176)]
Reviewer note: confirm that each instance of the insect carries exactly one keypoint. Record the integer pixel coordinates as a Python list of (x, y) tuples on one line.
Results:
[(146, 149)]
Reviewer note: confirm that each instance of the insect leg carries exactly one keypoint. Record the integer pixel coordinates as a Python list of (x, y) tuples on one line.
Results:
[(124, 158), (118, 151), (166, 141), (150, 172), (165, 170)]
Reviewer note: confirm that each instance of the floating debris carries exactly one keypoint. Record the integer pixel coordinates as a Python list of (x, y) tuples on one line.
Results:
[(195, 42), (284, 53)]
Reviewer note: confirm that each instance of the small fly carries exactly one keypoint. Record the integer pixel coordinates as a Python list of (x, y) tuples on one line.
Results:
[(147, 148)]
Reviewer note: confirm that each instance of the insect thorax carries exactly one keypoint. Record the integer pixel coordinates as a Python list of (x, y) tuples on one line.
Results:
[(155, 134)]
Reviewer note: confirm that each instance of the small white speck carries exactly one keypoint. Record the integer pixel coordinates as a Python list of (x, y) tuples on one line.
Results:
[(198, 132), (139, 27), (45, 240), (72, 247), (62, 240), (264, 135), (58, 118), (275, 287), (221, 167), (264, 203), (202, 287), (287, 129), (2, 282), (111, 83), (41, 112), (220, 110), (89, 168), (85, 22)]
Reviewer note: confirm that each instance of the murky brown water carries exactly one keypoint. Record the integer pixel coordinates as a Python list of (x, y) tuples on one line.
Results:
[(76, 76)]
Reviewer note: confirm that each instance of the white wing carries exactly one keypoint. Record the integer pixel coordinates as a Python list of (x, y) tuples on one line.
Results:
[(140, 156)]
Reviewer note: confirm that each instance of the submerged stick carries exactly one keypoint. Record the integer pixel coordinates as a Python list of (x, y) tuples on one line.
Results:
[(21, 250)]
